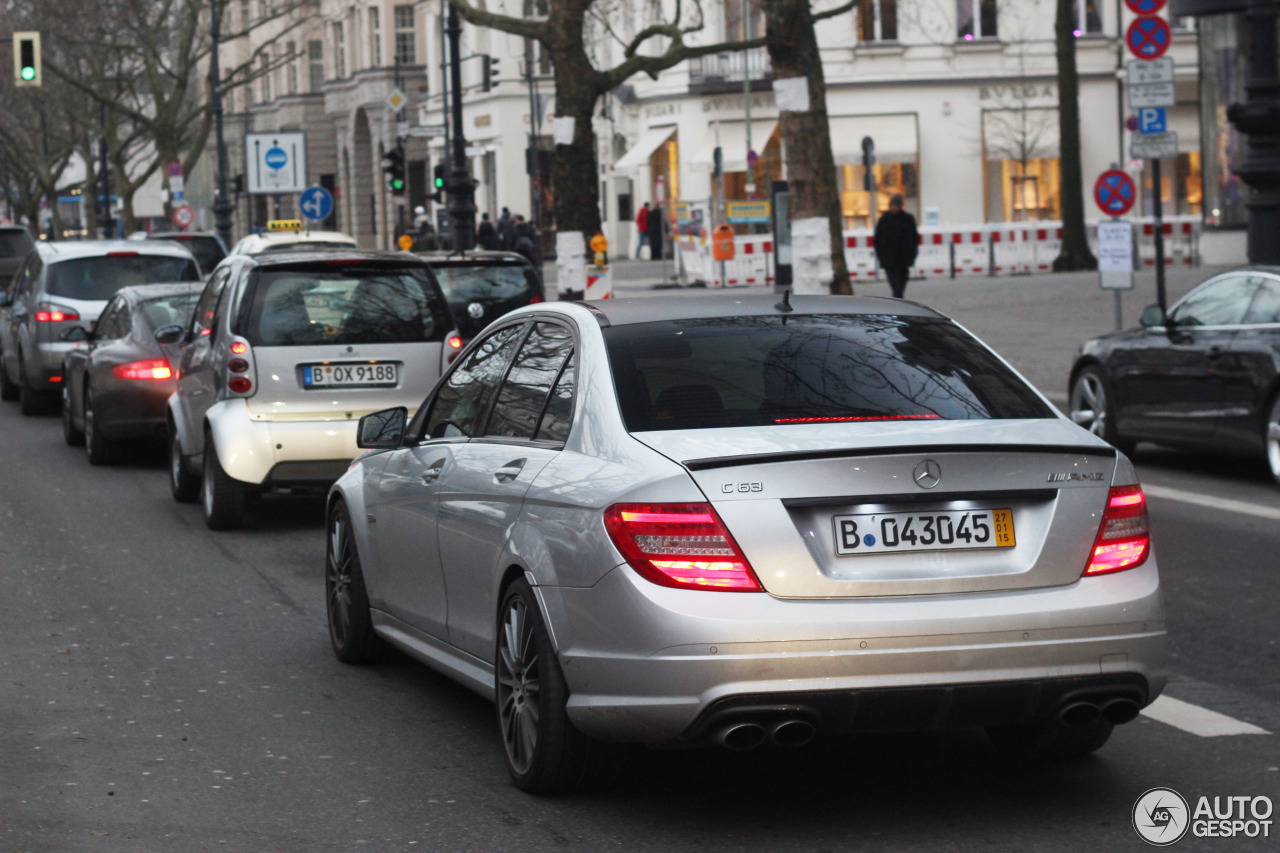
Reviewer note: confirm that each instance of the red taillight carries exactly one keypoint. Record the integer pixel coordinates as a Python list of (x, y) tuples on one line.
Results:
[(156, 368), (535, 300), (1124, 538), (237, 365), (122, 254), (454, 342), (239, 347), (56, 315), (240, 384), (680, 545)]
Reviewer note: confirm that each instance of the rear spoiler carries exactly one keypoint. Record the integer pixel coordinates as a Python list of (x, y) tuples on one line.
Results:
[(845, 452)]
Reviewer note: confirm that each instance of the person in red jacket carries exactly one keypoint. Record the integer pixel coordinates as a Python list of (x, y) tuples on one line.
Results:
[(642, 225)]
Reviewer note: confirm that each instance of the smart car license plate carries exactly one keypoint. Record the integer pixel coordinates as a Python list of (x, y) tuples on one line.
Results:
[(947, 530), (331, 375)]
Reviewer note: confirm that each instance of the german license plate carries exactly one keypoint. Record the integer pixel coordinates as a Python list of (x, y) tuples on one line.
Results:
[(944, 530), (331, 375)]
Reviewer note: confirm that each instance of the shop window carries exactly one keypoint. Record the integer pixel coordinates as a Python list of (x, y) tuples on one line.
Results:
[(877, 20), (890, 179), (1023, 190), (1181, 185), (664, 169)]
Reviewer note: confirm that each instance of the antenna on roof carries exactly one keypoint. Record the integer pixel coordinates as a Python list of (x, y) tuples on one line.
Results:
[(785, 305)]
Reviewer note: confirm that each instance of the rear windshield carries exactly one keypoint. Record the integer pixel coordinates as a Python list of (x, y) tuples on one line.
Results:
[(15, 243), (754, 371), (207, 250), (101, 277), (345, 306), (497, 289), (170, 310)]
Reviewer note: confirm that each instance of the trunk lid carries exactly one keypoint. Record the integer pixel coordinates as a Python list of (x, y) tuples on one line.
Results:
[(788, 493)]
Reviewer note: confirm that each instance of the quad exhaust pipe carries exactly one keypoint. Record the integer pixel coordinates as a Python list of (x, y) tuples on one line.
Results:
[(786, 733), (1083, 713)]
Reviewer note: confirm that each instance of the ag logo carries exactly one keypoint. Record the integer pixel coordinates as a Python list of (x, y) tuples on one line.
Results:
[(1161, 817)]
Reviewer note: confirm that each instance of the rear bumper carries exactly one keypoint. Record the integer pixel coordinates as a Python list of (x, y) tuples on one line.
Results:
[(280, 453), (650, 664)]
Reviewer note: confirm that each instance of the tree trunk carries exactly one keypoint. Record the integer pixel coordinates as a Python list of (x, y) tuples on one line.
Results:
[(1074, 254), (817, 225)]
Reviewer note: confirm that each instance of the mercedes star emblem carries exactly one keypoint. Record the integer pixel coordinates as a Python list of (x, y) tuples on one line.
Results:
[(927, 474)]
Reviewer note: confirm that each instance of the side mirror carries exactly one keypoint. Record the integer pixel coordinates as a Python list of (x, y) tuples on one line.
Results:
[(170, 334), (382, 430), (74, 334), (1152, 316)]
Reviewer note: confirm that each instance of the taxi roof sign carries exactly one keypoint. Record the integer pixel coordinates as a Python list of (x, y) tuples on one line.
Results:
[(284, 225)]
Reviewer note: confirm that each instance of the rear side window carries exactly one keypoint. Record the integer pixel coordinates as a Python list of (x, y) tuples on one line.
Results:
[(465, 395), (345, 305), (101, 277), (15, 243), (207, 250), (524, 393), (757, 371)]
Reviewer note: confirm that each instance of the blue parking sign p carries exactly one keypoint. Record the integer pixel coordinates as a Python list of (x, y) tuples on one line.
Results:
[(316, 203), (1152, 120)]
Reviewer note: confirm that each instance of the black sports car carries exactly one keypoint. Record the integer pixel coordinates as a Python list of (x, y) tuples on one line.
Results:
[(1206, 376)]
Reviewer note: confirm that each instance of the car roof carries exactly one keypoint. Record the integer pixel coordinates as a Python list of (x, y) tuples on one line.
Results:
[(71, 249), (275, 259), (270, 238), (143, 292), (621, 312), (472, 258)]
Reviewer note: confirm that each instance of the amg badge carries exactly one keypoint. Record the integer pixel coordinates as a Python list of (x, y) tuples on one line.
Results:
[(1076, 476)]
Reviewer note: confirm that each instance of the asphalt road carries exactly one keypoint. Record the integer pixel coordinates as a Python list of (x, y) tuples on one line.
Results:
[(165, 688)]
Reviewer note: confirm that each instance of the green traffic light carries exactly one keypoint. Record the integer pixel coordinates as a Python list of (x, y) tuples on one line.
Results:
[(397, 184), (28, 72)]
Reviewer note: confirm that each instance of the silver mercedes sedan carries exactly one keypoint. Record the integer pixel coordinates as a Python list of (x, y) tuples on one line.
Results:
[(741, 521)]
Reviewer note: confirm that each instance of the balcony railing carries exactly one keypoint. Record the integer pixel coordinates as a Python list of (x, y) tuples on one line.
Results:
[(724, 72)]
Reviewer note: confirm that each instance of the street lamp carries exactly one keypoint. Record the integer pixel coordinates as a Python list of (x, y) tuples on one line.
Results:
[(221, 204)]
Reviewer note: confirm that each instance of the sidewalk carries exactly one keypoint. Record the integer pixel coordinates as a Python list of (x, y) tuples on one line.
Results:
[(1037, 322)]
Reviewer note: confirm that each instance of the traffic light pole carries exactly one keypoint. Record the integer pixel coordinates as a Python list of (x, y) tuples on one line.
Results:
[(460, 188), (401, 201), (222, 206)]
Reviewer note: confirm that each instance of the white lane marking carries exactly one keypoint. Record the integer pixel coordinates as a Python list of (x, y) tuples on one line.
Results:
[(1197, 720), (1225, 504)]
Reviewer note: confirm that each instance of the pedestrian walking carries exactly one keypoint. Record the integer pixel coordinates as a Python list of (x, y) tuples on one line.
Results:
[(642, 227), (657, 224), (897, 244), (506, 230), (523, 241), (486, 234)]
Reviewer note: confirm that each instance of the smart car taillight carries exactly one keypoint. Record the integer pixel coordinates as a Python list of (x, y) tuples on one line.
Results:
[(680, 545), (1124, 538), (152, 368), (240, 384), (238, 365)]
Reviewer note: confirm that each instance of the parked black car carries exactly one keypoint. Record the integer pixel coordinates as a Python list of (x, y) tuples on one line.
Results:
[(482, 286), (1206, 376), (117, 377)]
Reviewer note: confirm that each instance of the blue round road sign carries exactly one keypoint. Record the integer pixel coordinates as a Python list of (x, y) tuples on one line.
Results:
[(1145, 7), (316, 203), (276, 158), (1148, 38), (1114, 192)]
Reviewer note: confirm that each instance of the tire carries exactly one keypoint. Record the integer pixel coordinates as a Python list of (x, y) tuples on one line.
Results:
[(1091, 407), (1050, 740), (222, 497), (101, 451), (184, 485), (346, 597), (545, 754), (1271, 435), (71, 435), (9, 390)]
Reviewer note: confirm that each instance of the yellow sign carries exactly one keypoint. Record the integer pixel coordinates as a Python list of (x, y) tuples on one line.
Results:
[(405, 242), (745, 212), (682, 212), (284, 225)]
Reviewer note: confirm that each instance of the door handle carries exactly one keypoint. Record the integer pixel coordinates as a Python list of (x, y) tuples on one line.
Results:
[(433, 473), (508, 472)]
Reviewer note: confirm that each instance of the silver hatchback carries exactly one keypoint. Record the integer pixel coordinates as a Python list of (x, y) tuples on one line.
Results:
[(739, 521)]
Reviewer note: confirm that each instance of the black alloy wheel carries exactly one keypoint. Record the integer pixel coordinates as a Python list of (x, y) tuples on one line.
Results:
[(100, 450), (70, 433), (1092, 407)]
